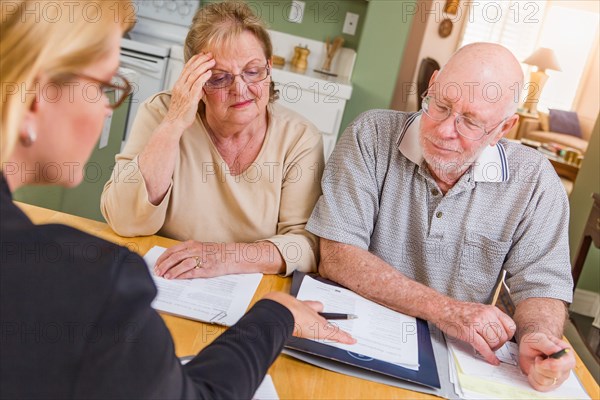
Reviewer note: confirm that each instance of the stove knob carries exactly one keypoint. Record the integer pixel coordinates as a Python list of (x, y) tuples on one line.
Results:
[(171, 6), (184, 9), (159, 3)]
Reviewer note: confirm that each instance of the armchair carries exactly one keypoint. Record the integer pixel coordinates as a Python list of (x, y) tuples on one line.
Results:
[(534, 129)]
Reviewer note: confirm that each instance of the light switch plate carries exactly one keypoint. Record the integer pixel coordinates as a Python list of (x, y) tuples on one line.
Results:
[(350, 23), (296, 11)]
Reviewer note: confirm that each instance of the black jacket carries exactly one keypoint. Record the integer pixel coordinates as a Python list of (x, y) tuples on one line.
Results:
[(76, 322)]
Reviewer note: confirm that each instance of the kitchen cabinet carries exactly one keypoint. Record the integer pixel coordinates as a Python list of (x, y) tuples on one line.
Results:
[(318, 97)]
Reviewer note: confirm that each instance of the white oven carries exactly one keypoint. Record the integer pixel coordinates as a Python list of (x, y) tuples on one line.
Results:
[(150, 63), (160, 26), (176, 64)]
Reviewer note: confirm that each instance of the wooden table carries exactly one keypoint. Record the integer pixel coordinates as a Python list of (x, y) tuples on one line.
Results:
[(293, 379), (563, 168)]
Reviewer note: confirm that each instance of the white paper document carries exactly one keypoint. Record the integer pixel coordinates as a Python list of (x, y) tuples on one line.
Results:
[(475, 378), (509, 353), (222, 300), (381, 333), (266, 390)]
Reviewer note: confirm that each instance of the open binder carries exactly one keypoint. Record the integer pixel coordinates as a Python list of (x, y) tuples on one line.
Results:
[(306, 349)]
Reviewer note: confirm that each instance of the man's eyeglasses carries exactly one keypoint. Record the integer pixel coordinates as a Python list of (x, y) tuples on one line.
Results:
[(465, 126), (222, 79)]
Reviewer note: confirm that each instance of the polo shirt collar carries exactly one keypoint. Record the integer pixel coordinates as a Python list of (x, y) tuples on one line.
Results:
[(491, 166)]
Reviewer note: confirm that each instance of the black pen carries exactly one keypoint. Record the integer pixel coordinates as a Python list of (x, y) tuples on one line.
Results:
[(559, 354), (328, 315)]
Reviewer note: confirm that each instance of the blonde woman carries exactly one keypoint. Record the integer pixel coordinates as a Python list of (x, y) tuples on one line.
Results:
[(215, 162), (75, 326)]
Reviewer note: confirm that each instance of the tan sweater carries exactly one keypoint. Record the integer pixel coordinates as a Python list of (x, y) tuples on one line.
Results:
[(272, 200)]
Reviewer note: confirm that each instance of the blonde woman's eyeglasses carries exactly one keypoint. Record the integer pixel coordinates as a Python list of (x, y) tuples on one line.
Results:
[(116, 91)]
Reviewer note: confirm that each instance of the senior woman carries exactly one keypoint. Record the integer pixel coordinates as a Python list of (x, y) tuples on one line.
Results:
[(75, 326), (217, 163)]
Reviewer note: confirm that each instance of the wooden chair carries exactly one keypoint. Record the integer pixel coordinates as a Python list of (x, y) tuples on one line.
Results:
[(591, 233)]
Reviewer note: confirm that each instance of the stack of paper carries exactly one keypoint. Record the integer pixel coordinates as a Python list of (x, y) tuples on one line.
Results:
[(475, 378), (222, 300), (381, 333), (266, 390)]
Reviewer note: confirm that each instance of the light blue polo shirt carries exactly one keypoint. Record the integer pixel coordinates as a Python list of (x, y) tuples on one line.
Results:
[(509, 210)]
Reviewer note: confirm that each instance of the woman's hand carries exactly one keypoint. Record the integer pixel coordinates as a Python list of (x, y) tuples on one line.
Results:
[(187, 92), (308, 323), (194, 259), (157, 160)]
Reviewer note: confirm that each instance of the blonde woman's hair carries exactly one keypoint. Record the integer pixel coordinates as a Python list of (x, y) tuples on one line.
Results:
[(53, 38), (217, 26)]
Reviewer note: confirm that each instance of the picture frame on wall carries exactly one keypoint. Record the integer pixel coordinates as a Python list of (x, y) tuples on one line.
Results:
[(451, 7)]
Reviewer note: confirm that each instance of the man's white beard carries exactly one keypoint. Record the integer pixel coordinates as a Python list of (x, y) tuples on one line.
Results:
[(448, 170)]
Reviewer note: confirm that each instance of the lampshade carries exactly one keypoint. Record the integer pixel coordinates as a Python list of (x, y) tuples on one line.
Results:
[(543, 58)]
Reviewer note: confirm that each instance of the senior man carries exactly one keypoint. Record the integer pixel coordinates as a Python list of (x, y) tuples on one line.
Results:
[(421, 211)]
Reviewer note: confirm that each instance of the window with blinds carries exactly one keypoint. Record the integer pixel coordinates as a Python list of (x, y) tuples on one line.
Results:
[(523, 26), (572, 34), (513, 24)]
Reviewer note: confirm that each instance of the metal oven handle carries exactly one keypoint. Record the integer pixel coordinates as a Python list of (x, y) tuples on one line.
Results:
[(140, 65)]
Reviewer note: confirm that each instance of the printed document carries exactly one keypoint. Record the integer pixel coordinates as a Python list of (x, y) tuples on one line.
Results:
[(475, 378), (222, 300), (381, 333), (266, 390)]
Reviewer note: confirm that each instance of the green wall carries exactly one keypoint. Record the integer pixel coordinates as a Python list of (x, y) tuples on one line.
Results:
[(322, 18), (379, 55), (588, 182)]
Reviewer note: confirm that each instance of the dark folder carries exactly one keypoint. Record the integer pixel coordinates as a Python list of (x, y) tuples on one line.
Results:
[(426, 375)]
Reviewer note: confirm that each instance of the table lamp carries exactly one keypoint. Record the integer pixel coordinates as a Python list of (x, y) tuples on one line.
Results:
[(543, 58)]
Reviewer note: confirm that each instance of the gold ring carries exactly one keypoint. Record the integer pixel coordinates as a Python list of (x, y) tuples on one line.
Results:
[(198, 263), (554, 382)]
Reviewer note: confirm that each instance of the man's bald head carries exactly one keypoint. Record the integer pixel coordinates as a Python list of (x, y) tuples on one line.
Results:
[(476, 94), (489, 70)]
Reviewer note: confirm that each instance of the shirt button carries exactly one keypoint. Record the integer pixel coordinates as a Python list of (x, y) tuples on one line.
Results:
[(434, 192), (439, 214)]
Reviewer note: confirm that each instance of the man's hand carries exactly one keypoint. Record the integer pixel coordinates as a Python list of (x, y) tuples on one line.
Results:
[(544, 373), (484, 327)]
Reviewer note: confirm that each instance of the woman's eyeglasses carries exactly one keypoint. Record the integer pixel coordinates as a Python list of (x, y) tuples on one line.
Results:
[(116, 91), (222, 79)]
